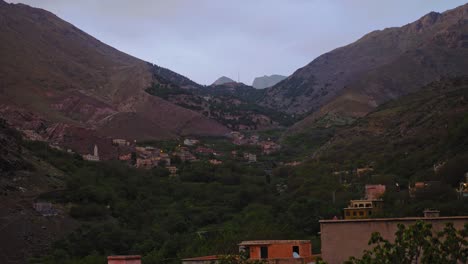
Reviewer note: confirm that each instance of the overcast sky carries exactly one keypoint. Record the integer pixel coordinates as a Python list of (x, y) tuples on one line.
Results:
[(205, 39)]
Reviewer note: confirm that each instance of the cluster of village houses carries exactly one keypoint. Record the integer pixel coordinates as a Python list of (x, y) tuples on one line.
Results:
[(188, 151)]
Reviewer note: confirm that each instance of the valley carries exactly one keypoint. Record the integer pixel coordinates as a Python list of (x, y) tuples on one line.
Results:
[(105, 154)]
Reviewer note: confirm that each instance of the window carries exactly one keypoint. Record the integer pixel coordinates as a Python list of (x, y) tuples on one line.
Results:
[(368, 205), (263, 252), (354, 213), (369, 213), (361, 213), (347, 213), (296, 249)]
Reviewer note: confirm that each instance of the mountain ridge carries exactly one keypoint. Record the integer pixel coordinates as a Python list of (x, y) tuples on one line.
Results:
[(67, 76), (351, 74)]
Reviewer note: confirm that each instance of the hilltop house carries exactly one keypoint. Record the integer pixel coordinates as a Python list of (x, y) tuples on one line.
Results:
[(190, 142), (204, 150), (45, 208), (269, 147), (215, 162), (362, 171), (250, 157), (172, 170), (120, 142), (184, 154)]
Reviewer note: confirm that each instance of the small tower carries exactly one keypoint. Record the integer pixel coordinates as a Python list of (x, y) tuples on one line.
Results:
[(96, 153)]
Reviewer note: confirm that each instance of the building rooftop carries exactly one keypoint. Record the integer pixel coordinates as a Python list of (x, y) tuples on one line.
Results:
[(212, 257), (130, 257), (395, 219), (269, 242)]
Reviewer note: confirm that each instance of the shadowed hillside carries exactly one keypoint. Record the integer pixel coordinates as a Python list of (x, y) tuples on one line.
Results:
[(66, 76)]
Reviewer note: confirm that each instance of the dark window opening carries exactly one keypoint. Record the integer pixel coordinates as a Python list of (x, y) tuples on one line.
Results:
[(370, 212), (347, 213), (361, 213), (296, 249), (263, 252), (354, 213)]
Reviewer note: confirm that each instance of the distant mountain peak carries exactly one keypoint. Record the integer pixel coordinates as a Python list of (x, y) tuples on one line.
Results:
[(223, 80), (267, 81)]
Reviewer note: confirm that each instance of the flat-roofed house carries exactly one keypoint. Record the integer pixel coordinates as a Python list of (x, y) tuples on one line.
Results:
[(278, 251)]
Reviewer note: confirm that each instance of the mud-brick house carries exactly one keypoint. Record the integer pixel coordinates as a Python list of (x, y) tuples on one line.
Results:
[(279, 251)]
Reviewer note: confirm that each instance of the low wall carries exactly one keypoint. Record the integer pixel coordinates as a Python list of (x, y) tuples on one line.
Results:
[(342, 239)]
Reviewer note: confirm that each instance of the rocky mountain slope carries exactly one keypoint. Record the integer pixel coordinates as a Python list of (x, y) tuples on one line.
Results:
[(223, 80), (231, 104), (23, 178), (267, 81), (413, 137), (62, 76), (380, 66)]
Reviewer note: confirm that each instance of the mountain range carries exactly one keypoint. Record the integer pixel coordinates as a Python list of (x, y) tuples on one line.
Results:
[(69, 87), (382, 65), (55, 80)]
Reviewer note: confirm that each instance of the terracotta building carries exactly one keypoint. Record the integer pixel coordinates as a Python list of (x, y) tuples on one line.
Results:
[(279, 251), (135, 259), (342, 239)]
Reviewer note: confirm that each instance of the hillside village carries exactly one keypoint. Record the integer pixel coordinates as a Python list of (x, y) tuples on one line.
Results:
[(148, 155), (360, 156)]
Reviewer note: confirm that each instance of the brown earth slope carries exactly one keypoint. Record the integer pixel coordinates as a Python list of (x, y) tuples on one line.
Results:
[(380, 66), (24, 231), (63, 75)]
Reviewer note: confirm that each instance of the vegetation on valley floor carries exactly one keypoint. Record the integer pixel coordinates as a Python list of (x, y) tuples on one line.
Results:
[(209, 209)]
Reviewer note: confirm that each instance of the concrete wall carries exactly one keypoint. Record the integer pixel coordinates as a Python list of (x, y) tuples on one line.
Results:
[(342, 239)]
